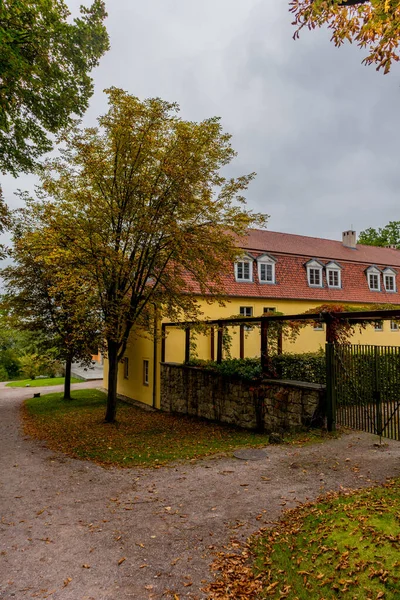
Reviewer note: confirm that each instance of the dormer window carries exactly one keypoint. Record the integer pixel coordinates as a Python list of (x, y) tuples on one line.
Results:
[(266, 268), (333, 275), (314, 273), (374, 280), (389, 280), (244, 269)]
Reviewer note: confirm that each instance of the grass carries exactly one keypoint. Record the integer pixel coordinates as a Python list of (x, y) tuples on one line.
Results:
[(139, 438), (42, 382), (347, 547)]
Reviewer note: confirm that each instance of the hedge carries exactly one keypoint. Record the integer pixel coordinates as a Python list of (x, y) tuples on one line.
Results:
[(308, 367)]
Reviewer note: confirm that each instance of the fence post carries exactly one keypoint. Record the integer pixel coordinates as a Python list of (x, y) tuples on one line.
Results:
[(241, 340), (330, 387), (163, 336), (212, 343), (377, 392), (264, 348), (219, 342), (187, 344), (280, 339)]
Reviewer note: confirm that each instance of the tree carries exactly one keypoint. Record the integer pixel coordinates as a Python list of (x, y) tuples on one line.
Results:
[(39, 298), (383, 236), (372, 24), (139, 204), (44, 82)]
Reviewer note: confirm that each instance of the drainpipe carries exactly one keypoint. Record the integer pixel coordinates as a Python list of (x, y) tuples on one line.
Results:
[(155, 356)]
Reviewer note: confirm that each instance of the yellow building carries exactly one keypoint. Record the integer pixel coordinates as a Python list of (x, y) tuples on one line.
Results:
[(279, 272)]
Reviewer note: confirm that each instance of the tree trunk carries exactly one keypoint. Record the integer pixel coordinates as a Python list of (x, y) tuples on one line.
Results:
[(67, 380), (112, 351)]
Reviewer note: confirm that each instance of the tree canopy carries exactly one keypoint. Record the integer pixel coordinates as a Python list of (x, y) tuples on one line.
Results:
[(373, 25), (40, 298), (140, 205), (383, 236), (45, 60)]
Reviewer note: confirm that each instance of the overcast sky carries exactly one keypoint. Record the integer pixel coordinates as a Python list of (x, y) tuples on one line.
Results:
[(321, 130)]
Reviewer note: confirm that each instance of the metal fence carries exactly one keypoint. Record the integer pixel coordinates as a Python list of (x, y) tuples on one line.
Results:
[(363, 388)]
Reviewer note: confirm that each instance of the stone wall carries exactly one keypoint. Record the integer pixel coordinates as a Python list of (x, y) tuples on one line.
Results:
[(272, 405)]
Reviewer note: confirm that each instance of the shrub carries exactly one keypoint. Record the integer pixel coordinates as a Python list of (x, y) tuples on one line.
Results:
[(309, 367), (248, 369)]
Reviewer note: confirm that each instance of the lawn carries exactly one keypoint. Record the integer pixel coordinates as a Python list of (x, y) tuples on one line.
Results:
[(42, 382), (140, 437), (347, 546)]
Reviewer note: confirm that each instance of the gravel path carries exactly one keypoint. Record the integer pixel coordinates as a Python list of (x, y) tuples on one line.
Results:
[(71, 530)]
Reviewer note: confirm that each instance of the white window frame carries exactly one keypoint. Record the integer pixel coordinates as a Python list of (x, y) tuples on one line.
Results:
[(267, 261), (318, 327), (246, 311), (244, 260), (389, 273), (242, 311), (394, 326), (378, 326), (373, 272), (334, 268), (146, 370), (314, 266)]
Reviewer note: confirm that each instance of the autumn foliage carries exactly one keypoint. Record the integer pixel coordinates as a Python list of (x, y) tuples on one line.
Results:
[(373, 25)]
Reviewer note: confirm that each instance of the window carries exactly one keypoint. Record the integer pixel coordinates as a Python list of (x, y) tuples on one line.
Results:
[(267, 309), (145, 372), (246, 311), (333, 275), (318, 327), (378, 326), (244, 270), (126, 368), (389, 280), (394, 326), (266, 269), (266, 272), (374, 281), (314, 273), (314, 277)]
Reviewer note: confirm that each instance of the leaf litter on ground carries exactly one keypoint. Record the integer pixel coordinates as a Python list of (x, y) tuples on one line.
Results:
[(344, 545)]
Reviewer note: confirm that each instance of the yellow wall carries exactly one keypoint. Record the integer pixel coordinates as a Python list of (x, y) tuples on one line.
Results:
[(141, 347)]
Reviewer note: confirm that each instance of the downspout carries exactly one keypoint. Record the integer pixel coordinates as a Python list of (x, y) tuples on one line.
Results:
[(155, 356)]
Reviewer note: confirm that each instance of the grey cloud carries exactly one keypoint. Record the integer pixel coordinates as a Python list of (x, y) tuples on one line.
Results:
[(320, 129)]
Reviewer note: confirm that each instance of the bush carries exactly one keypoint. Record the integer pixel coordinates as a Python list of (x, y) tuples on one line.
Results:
[(308, 367), (248, 369)]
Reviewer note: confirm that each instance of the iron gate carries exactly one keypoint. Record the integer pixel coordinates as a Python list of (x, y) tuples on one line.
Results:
[(363, 388)]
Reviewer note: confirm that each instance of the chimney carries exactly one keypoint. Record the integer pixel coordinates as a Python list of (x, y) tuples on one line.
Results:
[(349, 239)]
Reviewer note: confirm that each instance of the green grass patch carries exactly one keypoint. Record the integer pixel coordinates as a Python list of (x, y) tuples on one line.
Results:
[(345, 547), (139, 438), (42, 382)]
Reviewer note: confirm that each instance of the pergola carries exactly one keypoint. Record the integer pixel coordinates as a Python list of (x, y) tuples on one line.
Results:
[(217, 327)]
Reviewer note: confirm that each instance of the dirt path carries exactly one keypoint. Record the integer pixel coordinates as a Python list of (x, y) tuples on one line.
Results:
[(67, 524)]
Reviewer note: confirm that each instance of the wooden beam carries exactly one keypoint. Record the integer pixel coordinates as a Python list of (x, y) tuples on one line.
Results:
[(219, 342), (163, 335), (187, 344), (241, 339), (280, 340), (264, 348)]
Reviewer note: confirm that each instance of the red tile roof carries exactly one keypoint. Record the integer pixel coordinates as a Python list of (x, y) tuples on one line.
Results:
[(288, 243), (293, 251)]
